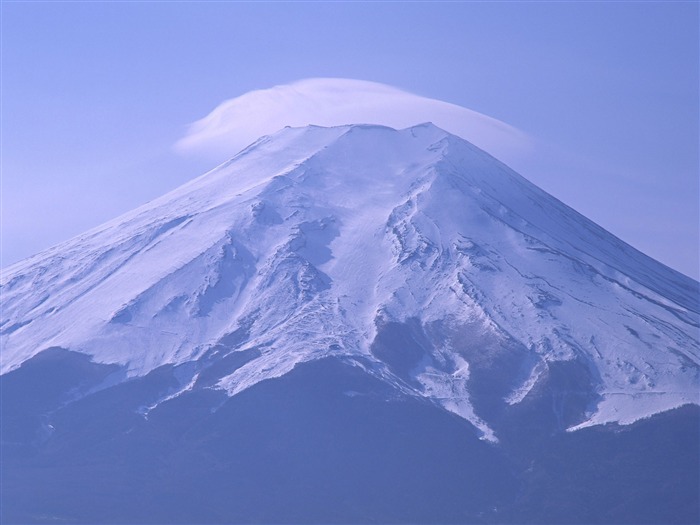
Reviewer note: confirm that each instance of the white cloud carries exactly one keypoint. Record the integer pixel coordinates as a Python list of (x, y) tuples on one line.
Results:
[(237, 122)]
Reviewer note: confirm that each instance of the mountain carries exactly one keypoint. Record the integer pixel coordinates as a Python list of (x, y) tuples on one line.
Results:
[(350, 324)]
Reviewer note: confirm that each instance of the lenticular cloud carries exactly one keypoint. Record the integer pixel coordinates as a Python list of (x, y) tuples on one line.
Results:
[(237, 122)]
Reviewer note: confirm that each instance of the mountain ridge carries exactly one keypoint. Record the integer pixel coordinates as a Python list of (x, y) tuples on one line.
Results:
[(320, 242)]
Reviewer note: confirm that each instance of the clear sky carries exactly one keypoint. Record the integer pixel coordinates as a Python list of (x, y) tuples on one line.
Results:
[(96, 94)]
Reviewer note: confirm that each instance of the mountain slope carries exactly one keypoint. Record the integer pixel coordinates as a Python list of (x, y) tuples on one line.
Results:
[(412, 254), (350, 325)]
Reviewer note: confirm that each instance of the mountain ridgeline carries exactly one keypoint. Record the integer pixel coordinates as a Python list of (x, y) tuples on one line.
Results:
[(348, 325)]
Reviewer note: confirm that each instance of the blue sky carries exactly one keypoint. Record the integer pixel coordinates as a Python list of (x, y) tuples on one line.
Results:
[(96, 94)]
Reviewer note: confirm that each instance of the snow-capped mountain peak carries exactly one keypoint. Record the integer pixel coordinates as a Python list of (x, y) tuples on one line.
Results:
[(411, 254)]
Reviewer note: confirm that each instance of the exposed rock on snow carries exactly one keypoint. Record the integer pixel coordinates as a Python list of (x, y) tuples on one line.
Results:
[(411, 253)]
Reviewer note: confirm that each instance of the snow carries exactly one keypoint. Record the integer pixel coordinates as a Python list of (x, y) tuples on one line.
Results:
[(308, 239)]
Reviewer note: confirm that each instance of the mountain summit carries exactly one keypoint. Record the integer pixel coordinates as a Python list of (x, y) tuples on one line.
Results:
[(409, 258)]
